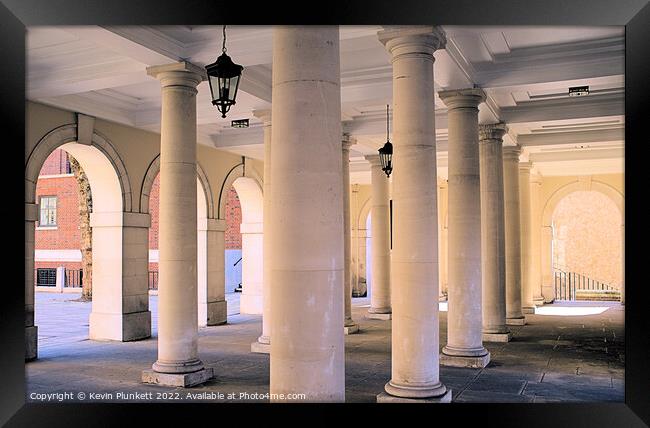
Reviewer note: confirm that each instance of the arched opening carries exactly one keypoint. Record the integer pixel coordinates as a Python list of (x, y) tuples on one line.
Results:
[(53, 246), (586, 247)]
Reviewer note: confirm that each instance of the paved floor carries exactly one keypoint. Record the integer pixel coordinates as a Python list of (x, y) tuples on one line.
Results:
[(567, 352)]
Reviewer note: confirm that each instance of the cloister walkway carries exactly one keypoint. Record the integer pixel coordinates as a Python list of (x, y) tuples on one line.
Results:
[(567, 352)]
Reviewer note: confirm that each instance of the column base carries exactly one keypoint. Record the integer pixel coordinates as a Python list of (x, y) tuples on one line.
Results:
[(184, 380), (122, 327), (260, 348), (31, 343), (474, 362), (217, 313), (384, 397), (497, 337), (528, 309), (379, 316), (516, 321), (351, 329)]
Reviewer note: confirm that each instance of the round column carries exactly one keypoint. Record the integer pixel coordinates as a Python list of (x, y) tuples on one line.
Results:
[(464, 314), (414, 259), (514, 314), (493, 233), (178, 363), (527, 304), (349, 326), (307, 350), (263, 343), (380, 307), (31, 330)]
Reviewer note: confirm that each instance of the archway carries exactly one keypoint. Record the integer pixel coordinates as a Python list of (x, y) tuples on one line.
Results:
[(583, 217), (119, 310)]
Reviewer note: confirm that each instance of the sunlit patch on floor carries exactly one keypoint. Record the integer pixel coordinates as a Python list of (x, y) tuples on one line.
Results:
[(570, 310)]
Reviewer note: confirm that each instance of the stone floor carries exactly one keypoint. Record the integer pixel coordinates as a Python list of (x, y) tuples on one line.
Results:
[(567, 352)]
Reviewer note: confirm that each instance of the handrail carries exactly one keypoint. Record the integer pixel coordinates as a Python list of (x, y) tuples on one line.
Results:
[(568, 283), (237, 262)]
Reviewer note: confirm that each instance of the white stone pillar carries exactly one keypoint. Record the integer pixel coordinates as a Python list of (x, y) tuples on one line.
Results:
[(120, 307), (212, 309), (178, 363), (31, 331), (380, 307), (443, 188), (252, 277), (527, 304), (536, 238), (308, 348), (548, 285), (414, 260), (349, 326), (464, 313), (493, 268), (263, 343), (514, 314)]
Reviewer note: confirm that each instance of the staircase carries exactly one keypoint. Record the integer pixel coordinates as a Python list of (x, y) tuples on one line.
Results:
[(576, 286)]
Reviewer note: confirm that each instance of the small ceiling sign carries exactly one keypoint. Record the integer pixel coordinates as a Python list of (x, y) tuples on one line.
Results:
[(239, 123), (578, 91)]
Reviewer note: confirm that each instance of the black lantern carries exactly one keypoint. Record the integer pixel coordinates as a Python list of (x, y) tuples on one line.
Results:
[(224, 76), (386, 152)]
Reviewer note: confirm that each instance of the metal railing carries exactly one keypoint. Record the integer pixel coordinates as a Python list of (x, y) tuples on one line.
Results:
[(153, 280), (73, 278), (567, 284), (45, 277)]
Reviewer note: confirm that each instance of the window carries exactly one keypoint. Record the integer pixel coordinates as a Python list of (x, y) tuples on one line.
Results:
[(48, 211), (46, 277)]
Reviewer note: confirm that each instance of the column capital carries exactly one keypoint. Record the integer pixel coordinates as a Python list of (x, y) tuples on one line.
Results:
[(374, 160), (263, 115), (492, 132), (525, 167), (180, 73), (459, 98), (347, 141), (412, 40), (511, 153)]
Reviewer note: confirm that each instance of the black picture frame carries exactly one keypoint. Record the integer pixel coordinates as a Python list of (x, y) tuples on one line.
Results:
[(16, 14)]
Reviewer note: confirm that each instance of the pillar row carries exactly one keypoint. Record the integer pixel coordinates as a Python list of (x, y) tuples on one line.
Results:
[(514, 314), (415, 368), (380, 306), (493, 233), (178, 362), (464, 314)]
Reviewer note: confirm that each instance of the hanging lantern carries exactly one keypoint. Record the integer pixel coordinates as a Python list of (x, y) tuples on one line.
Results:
[(386, 152), (224, 76)]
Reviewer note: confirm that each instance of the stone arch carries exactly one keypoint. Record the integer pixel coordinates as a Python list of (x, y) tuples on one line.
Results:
[(152, 173), (580, 184), (237, 171)]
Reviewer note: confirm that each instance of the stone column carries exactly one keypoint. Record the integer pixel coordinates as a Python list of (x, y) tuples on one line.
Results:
[(493, 268), (536, 239), (212, 309), (380, 307), (527, 304), (442, 238), (464, 314), (31, 331), (178, 363), (263, 343), (349, 326), (252, 277), (415, 372), (308, 348), (514, 315)]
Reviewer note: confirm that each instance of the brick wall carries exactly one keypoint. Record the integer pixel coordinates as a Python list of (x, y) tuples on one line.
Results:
[(154, 198), (233, 220)]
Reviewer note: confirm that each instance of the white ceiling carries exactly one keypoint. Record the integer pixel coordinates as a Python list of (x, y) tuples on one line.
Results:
[(525, 70)]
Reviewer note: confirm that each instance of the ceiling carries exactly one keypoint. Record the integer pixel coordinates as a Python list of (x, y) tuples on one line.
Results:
[(525, 70)]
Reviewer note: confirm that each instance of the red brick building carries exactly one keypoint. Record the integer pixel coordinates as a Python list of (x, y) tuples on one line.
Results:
[(58, 237)]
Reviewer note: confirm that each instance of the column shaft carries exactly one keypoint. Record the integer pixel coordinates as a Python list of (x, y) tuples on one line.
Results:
[(492, 233), (514, 314), (349, 325), (528, 306), (177, 284), (31, 331), (414, 258), (442, 237), (464, 317), (307, 350), (380, 306)]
